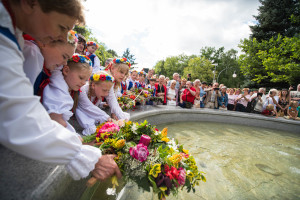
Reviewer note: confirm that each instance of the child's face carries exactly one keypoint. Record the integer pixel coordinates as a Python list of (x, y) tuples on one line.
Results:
[(80, 46), (152, 83), (133, 76), (46, 27), (76, 78), (142, 78), (91, 49), (57, 55), (119, 75), (102, 89)]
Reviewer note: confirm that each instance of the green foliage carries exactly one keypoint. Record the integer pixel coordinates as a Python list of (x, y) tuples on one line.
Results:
[(172, 64), (227, 64), (275, 60), (112, 53), (83, 30), (276, 17), (129, 56), (200, 68)]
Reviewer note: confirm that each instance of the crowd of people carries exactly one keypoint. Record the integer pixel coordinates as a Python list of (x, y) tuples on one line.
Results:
[(187, 94), (52, 73)]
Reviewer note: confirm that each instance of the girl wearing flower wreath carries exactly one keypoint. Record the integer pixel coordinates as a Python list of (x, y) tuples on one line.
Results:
[(88, 112), (142, 76), (60, 96), (91, 48), (119, 68), (132, 82), (41, 59)]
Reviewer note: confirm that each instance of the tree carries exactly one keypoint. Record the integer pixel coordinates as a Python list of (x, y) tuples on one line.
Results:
[(276, 17), (83, 30), (129, 56), (275, 62), (199, 68), (112, 53), (227, 64), (212, 54)]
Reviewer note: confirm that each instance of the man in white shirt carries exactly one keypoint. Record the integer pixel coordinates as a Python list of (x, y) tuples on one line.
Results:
[(260, 98)]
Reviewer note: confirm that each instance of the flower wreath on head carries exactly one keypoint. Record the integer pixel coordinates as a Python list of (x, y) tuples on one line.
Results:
[(118, 61), (133, 71), (91, 43), (72, 37), (101, 76), (81, 58), (142, 73), (122, 60)]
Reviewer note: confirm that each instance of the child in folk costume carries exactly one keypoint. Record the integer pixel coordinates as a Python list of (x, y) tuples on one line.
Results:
[(119, 68), (142, 76), (91, 48), (64, 86), (88, 112), (41, 59), (132, 82)]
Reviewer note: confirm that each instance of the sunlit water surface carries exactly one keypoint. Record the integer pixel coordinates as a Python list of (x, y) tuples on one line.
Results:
[(240, 162)]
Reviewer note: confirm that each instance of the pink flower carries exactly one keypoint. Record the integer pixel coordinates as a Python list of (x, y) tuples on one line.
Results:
[(145, 140), (139, 152), (181, 177), (109, 127)]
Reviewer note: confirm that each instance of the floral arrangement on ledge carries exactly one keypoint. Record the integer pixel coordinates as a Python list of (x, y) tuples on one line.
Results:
[(134, 97), (147, 157), (126, 103)]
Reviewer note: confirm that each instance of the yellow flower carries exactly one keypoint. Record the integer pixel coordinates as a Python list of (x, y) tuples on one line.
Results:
[(122, 60), (165, 139), (96, 77), (175, 159), (185, 151), (155, 170), (164, 132), (119, 144), (97, 139), (114, 181)]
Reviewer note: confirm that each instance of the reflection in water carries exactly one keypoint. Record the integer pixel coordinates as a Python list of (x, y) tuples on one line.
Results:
[(240, 162)]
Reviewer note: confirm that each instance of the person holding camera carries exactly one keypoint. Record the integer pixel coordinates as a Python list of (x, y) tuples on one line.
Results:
[(242, 101), (272, 98), (259, 98), (187, 97), (211, 100)]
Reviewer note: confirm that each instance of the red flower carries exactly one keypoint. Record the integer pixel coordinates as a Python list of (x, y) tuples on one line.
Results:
[(132, 97), (76, 58), (172, 173), (102, 77), (125, 59)]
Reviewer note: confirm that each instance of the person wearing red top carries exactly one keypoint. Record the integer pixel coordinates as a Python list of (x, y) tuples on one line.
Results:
[(188, 94), (161, 90)]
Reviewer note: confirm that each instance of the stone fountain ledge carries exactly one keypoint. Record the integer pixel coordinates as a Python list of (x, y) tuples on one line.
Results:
[(166, 114), (23, 178)]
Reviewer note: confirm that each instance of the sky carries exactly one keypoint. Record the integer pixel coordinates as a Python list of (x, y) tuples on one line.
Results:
[(156, 29)]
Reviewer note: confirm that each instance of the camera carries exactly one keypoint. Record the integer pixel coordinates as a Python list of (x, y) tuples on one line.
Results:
[(216, 88), (260, 94)]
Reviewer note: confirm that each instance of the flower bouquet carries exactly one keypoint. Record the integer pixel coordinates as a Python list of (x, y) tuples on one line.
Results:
[(126, 103), (147, 157)]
